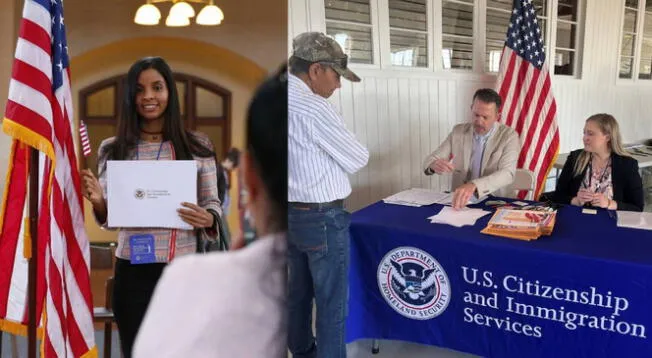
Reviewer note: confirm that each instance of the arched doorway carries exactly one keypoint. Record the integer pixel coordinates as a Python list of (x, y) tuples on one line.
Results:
[(205, 107)]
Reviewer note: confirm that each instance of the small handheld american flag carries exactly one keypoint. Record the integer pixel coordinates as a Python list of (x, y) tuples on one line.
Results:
[(85, 142)]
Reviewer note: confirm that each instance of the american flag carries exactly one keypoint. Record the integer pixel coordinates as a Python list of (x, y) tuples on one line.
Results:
[(85, 141), (524, 85), (39, 114)]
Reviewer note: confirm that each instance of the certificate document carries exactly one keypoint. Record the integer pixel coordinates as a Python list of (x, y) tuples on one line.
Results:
[(147, 193)]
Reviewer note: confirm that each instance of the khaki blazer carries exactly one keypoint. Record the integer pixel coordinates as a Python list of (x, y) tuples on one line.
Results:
[(498, 161)]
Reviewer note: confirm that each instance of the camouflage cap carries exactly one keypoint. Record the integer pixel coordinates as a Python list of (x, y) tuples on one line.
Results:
[(319, 47)]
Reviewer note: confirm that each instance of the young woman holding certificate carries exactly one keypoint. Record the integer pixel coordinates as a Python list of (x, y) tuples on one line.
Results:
[(150, 128)]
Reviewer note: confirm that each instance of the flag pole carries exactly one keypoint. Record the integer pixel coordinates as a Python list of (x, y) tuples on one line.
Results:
[(33, 230)]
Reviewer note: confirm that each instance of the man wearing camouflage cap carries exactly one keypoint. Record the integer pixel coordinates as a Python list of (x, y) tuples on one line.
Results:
[(321, 152)]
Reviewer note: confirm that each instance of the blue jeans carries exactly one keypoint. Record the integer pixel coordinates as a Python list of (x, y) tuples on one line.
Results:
[(318, 263)]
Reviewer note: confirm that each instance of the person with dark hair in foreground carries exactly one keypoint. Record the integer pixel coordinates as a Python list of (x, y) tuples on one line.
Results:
[(481, 154), (241, 311)]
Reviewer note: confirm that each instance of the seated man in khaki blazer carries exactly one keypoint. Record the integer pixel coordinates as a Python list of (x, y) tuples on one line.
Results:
[(481, 154)]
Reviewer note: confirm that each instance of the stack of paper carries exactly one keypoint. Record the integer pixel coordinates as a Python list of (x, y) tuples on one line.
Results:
[(458, 218), (635, 220), (418, 197), (424, 197), (521, 224)]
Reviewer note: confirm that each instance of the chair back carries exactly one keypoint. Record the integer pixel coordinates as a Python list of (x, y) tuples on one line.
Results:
[(523, 180)]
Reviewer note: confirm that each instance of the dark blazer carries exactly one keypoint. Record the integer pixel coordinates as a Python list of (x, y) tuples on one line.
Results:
[(625, 179)]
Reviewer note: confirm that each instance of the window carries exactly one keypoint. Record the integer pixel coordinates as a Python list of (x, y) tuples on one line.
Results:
[(564, 58), (645, 68), (627, 45), (499, 12), (636, 42), (408, 32), (457, 34), (565, 54), (349, 22), (403, 32)]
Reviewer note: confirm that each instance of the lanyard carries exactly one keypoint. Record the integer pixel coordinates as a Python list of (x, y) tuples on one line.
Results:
[(172, 248), (602, 177), (157, 155)]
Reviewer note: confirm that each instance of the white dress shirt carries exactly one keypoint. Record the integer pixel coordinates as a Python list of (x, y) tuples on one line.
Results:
[(479, 144), (223, 304), (321, 151)]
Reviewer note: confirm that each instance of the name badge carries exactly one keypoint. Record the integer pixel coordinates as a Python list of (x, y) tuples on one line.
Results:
[(142, 249)]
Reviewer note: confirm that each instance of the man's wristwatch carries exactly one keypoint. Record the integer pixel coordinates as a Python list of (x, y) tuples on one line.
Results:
[(429, 171)]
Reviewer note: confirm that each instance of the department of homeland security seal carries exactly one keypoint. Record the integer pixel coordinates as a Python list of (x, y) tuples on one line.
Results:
[(413, 283), (139, 193)]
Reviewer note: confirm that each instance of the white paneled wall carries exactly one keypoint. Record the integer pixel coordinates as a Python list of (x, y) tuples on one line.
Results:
[(403, 115)]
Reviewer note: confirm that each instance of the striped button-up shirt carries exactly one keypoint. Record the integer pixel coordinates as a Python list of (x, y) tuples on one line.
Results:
[(321, 151), (186, 240)]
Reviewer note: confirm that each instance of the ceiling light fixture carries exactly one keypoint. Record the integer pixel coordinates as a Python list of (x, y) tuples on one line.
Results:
[(180, 13)]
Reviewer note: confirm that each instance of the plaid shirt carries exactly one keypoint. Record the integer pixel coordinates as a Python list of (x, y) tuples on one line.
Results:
[(186, 240)]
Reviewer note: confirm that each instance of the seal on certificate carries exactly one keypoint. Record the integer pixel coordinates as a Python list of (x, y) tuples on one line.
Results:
[(413, 283), (139, 194)]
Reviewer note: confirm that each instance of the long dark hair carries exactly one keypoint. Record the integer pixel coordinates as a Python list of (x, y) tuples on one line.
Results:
[(267, 145), (186, 144), (267, 142)]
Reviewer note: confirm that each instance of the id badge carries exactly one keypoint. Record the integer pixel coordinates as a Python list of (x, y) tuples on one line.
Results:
[(142, 249)]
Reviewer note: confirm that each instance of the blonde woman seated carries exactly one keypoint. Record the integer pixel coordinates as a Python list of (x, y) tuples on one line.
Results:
[(602, 174)]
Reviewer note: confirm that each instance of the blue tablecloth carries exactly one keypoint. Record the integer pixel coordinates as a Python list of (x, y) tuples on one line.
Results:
[(585, 291)]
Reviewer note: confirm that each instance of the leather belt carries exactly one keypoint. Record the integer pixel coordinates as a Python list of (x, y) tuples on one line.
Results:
[(333, 204)]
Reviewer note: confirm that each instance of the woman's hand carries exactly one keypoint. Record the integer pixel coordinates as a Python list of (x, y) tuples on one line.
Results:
[(196, 216), (92, 190), (600, 200), (584, 196)]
